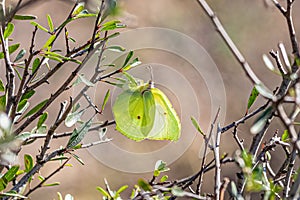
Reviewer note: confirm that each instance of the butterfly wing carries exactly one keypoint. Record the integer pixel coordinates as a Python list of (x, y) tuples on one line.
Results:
[(166, 123), (133, 114)]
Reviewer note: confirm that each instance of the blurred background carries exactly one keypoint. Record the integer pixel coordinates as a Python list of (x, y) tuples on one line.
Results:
[(255, 26)]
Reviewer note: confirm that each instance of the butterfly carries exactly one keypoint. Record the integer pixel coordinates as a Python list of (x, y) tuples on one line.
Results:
[(145, 112)]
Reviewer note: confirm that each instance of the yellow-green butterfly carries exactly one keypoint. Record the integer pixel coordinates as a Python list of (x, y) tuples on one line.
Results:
[(145, 112)]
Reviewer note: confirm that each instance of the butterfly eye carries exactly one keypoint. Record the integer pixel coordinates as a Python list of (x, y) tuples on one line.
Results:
[(138, 117)]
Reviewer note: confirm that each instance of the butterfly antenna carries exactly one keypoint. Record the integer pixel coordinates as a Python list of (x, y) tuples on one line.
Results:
[(151, 82)]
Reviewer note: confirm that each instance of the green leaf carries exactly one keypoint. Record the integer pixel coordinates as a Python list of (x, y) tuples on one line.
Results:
[(261, 121), (78, 9), (111, 25), (85, 81), (42, 119), (11, 49), (161, 166), (129, 56), (134, 63), (132, 82), (28, 94), (51, 184), (59, 196), (10, 174), (79, 134), (2, 88), (122, 189), (285, 136), (103, 191), (252, 98), (164, 178), (13, 194), (20, 55), (2, 102), (22, 104), (116, 48), (268, 62), (72, 118), (25, 17), (177, 191), (77, 158), (107, 95), (49, 42), (28, 162), (9, 30), (264, 91), (144, 185), (197, 126), (35, 109), (39, 26), (50, 23), (35, 64)]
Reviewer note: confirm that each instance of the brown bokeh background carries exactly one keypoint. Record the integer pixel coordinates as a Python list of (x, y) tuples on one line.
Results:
[(253, 26)]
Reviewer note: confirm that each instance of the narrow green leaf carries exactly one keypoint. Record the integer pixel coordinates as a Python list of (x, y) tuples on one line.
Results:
[(84, 15), (197, 126), (164, 178), (22, 104), (20, 55), (35, 109), (78, 158), (144, 185), (78, 9), (41, 178), (2, 88), (79, 134), (134, 63), (116, 48), (28, 162), (24, 17), (9, 30), (177, 191), (261, 121), (49, 42), (122, 189), (28, 94), (252, 98), (85, 81), (13, 194), (107, 95), (59, 196), (264, 91), (42, 119), (2, 102), (50, 23), (11, 49), (285, 136), (268, 62), (18, 73), (131, 79), (51, 184), (129, 56), (10, 174), (161, 166), (39, 26), (72, 118), (103, 191), (54, 58), (35, 64)]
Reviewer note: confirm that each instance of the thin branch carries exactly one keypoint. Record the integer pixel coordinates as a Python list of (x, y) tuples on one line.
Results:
[(63, 114), (48, 177), (207, 139), (217, 165), (220, 29)]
